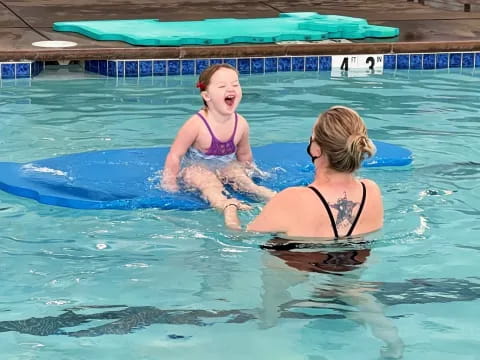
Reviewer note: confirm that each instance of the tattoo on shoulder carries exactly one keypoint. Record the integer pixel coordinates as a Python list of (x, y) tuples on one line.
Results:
[(344, 208)]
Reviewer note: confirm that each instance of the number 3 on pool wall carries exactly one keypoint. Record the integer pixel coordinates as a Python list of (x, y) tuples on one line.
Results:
[(357, 62)]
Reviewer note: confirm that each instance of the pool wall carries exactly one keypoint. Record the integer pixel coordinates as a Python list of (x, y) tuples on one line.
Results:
[(246, 65)]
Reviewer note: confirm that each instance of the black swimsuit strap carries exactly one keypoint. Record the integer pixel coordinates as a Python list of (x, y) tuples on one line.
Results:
[(364, 197), (329, 211), (327, 207)]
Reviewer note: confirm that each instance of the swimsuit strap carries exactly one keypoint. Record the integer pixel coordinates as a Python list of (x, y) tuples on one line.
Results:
[(329, 211), (327, 207), (364, 197), (211, 132), (207, 125), (234, 127)]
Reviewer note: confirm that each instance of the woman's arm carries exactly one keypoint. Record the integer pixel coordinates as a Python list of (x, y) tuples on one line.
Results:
[(276, 215)]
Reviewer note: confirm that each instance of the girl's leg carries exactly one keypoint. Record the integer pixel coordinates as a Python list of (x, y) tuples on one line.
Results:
[(236, 176), (210, 186)]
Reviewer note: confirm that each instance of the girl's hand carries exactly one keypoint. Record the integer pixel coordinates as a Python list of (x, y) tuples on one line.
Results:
[(170, 186)]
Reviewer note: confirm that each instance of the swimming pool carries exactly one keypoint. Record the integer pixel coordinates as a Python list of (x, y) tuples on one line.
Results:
[(150, 284)]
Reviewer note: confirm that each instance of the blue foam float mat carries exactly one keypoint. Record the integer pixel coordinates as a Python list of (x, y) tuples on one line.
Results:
[(128, 178)]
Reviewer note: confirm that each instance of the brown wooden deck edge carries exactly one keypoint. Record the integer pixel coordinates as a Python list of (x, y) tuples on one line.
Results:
[(238, 51)]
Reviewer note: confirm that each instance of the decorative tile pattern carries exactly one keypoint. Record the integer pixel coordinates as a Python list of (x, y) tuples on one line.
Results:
[(298, 63), (244, 66), (202, 64), (455, 60), (428, 61), (37, 67), (216, 61), (145, 67), (254, 65), (112, 68), (121, 68), (103, 67), (94, 66), (416, 61), (22, 70), (311, 63), (390, 62), (258, 65), (131, 68), (285, 63), (467, 60), (325, 63), (8, 71), (271, 64), (160, 67), (188, 67), (442, 61), (232, 62), (173, 67), (403, 62)]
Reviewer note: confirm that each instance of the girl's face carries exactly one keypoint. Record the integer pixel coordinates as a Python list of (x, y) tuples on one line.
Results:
[(223, 92)]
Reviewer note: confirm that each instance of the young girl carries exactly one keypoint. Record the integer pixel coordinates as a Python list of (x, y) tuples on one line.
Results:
[(212, 148)]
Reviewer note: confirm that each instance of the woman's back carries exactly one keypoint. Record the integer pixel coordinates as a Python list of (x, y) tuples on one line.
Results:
[(300, 212)]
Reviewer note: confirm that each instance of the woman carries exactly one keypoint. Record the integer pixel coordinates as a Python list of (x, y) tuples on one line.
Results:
[(336, 204)]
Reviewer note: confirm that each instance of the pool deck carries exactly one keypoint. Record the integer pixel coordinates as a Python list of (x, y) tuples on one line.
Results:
[(422, 28)]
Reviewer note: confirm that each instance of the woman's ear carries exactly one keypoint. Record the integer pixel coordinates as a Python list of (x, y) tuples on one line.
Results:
[(316, 149)]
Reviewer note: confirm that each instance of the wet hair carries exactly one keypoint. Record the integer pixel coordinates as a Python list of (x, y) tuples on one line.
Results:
[(206, 76), (342, 136)]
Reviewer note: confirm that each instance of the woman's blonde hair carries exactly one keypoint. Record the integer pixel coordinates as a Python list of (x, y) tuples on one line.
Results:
[(206, 76), (342, 136)]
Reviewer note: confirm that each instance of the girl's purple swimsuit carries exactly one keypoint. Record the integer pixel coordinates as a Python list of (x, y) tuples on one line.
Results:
[(218, 147), (218, 155)]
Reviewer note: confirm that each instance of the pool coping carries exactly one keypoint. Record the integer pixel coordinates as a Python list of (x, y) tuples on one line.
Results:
[(244, 50)]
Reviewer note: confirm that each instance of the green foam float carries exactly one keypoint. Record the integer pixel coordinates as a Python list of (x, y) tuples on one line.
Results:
[(300, 26)]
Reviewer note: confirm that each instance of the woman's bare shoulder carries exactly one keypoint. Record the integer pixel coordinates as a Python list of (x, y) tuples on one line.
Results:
[(371, 185), (293, 193)]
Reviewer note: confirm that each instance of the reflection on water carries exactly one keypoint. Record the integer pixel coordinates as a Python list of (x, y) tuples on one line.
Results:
[(338, 294), (131, 318)]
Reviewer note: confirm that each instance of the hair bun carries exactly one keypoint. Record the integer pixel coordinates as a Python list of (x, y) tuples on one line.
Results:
[(360, 144)]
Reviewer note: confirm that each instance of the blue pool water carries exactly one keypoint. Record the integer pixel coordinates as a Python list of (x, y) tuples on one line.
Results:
[(150, 284)]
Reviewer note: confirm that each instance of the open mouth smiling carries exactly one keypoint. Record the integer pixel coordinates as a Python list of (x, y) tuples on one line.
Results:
[(229, 100)]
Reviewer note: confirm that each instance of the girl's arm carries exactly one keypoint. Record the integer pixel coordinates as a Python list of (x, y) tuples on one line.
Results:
[(244, 151), (185, 138)]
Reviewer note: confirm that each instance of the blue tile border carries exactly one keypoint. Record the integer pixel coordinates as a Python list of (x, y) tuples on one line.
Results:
[(246, 65), (455, 60), (416, 61), (269, 64), (428, 61), (468, 60), (390, 62), (20, 69), (403, 62), (325, 63), (441, 61), (311, 63), (258, 65)]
